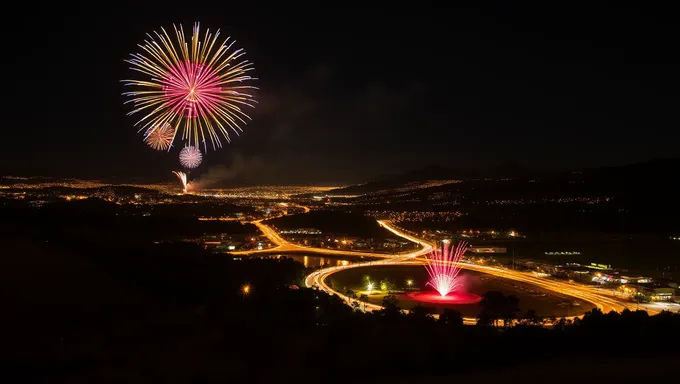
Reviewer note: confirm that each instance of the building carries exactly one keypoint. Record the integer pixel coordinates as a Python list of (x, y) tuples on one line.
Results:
[(479, 249), (562, 253), (301, 231), (652, 293), (603, 278), (536, 267), (662, 294), (633, 279), (600, 267), (573, 271)]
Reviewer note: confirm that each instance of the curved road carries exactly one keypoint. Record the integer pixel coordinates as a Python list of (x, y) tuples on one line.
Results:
[(603, 300), (600, 298), (282, 245)]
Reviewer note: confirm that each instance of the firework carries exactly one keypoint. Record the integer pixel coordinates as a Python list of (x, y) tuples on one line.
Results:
[(182, 178), (198, 86), (159, 137), (190, 157), (442, 266)]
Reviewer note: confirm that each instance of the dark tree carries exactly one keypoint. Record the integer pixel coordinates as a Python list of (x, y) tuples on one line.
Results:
[(496, 306), (531, 318), (390, 302), (451, 318)]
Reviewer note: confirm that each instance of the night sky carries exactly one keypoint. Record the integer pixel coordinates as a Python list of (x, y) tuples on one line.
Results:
[(350, 94)]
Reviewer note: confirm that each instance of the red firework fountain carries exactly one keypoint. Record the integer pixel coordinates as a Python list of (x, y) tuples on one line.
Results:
[(443, 267)]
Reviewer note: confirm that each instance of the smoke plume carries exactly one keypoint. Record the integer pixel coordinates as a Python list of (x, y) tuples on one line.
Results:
[(220, 175)]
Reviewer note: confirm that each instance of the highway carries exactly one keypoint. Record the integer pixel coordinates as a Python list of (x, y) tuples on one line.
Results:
[(284, 246), (579, 291), (602, 299)]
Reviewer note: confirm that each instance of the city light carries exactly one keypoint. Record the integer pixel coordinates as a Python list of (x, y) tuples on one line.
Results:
[(601, 299)]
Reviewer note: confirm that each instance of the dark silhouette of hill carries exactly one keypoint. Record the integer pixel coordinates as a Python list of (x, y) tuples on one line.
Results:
[(85, 312), (638, 198), (95, 218), (650, 183), (387, 183), (633, 198), (333, 222), (9, 180), (208, 208), (432, 172), (508, 169), (601, 179), (111, 190), (121, 190)]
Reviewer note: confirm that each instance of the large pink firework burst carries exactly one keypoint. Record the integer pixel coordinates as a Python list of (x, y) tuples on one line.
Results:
[(192, 89), (196, 83), (442, 266), (190, 157)]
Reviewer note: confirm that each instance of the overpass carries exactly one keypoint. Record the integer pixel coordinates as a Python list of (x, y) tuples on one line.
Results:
[(284, 246), (602, 300)]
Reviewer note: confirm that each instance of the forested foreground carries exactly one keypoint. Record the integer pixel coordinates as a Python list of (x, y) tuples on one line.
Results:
[(173, 313)]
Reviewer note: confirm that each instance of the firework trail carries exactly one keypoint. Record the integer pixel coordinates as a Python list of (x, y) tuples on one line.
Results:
[(190, 157), (442, 266), (159, 137), (183, 179), (198, 86)]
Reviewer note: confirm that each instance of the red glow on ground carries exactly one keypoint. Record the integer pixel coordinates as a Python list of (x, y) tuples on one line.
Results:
[(452, 298)]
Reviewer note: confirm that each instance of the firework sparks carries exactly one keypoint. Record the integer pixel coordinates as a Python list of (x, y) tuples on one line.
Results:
[(183, 179), (198, 86), (159, 137), (190, 157), (442, 266)]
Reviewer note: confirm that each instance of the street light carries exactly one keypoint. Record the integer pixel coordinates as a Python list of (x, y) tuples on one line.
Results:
[(409, 282), (245, 290)]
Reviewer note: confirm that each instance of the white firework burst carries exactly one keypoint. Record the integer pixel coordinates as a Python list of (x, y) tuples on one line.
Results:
[(190, 157)]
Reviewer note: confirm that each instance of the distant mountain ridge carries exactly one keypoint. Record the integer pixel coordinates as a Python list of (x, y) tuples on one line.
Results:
[(657, 167), (425, 174)]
